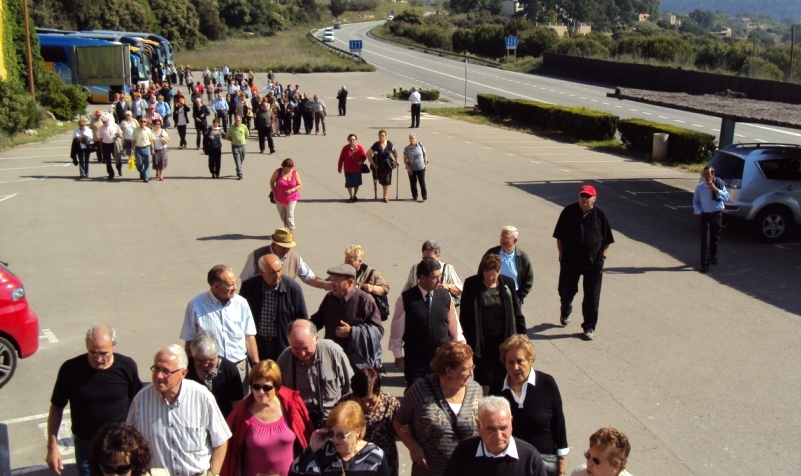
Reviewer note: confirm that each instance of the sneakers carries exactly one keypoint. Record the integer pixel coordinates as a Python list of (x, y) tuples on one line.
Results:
[(564, 320), (588, 334)]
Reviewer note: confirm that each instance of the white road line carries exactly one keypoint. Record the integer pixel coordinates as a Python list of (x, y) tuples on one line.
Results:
[(662, 117), (738, 135), (773, 129), (648, 113), (48, 334), (27, 418), (33, 157), (36, 167), (24, 180), (590, 161), (6, 197), (716, 130), (644, 193), (759, 140), (679, 120), (697, 125)]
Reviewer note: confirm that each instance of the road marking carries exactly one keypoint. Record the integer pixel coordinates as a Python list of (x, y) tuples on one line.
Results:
[(697, 125), (773, 129), (661, 117), (676, 207), (36, 167), (643, 193), (738, 135), (716, 130), (589, 161), (33, 157), (759, 140), (48, 334), (679, 120), (25, 179), (633, 110), (6, 197), (648, 113)]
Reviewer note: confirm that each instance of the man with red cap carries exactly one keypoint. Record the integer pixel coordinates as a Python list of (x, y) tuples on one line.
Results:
[(583, 236)]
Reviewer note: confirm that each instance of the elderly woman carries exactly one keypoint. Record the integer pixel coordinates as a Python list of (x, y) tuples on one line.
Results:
[(270, 427), (490, 314), (351, 158), (285, 183), (379, 410), (160, 140), (368, 279), (119, 449), (318, 108), (341, 448), (450, 280), (440, 411), (536, 404), (383, 159), (82, 140), (219, 375), (608, 454), (416, 159), (307, 112)]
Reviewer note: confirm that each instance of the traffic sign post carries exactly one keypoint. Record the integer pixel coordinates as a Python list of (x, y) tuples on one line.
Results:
[(511, 44), (356, 45)]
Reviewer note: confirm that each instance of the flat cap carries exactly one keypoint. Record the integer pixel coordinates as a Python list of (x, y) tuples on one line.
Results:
[(344, 269)]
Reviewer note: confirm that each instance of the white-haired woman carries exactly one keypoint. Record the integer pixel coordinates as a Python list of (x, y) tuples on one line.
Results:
[(368, 279), (219, 375)]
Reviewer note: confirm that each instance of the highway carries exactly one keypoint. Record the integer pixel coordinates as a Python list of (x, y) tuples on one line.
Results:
[(413, 68)]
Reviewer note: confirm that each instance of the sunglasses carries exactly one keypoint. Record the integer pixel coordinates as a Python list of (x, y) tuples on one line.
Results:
[(339, 436), (265, 387), (594, 460), (115, 469)]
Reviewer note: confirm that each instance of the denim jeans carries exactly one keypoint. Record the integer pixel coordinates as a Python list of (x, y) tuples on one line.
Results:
[(83, 161), (142, 155), (238, 152), (81, 455)]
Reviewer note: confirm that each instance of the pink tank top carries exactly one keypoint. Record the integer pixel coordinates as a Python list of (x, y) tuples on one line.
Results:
[(282, 185), (269, 448)]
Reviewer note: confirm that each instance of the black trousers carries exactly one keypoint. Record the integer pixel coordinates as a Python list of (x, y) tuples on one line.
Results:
[(108, 156), (215, 158), (182, 135), (199, 131), (342, 107), (269, 348), (308, 122), (568, 287), (266, 133), (710, 235), (286, 124), (416, 115), (296, 123), (416, 368), (414, 178), (223, 117)]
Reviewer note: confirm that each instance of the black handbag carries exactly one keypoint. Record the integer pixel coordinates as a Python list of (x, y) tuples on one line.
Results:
[(550, 464), (365, 168), (272, 197)]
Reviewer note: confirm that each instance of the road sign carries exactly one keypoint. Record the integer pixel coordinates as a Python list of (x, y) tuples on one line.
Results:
[(355, 45), (511, 42)]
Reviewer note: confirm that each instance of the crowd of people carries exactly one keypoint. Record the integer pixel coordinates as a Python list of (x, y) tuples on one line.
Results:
[(254, 389)]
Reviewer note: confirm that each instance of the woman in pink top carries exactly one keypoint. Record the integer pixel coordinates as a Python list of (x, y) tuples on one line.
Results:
[(285, 184)]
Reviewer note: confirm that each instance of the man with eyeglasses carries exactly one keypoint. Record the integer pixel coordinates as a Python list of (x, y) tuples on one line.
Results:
[(583, 236), (514, 262), (180, 419), (99, 387), (495, 452), (424, 319), (227, 316)]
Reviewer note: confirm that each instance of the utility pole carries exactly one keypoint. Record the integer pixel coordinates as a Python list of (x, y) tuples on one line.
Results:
[(28, 46), (792, 50)]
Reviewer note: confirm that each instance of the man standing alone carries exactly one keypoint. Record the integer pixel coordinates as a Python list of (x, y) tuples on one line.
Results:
[(342, 98), (238, 135), (708, 203), (414, 98)]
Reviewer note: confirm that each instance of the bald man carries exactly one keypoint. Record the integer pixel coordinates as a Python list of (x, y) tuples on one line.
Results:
[(274, 302)]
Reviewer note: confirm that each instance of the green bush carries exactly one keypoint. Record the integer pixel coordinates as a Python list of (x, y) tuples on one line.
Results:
[(425, 94), (19, 110), (685, 146), (63, 100), (494, 105)]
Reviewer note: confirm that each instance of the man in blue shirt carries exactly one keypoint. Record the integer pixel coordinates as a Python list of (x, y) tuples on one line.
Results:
[(708, 202), (514, 262), (220, 107)]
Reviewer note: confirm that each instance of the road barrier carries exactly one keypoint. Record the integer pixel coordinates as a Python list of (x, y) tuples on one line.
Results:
[(470, 59), (311, 36)]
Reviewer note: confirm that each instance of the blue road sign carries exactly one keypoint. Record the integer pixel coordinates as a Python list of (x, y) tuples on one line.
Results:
[(355, 45), (511, 42)]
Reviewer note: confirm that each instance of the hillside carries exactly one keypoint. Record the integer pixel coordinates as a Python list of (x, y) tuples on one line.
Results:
[(779, 9)]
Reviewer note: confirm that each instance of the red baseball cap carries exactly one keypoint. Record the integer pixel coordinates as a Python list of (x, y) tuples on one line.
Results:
[(589, 190)]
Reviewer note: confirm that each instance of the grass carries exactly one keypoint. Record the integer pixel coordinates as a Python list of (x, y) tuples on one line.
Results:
[(611, 146), (288, 52), (46, 131)]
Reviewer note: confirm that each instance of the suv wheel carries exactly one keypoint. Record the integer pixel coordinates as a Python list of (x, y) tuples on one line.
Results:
[(8, 361), (772, 224)]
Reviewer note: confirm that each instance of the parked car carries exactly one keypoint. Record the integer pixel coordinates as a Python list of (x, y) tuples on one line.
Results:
[(328, 35), (19, 325), (337, 26), (765, 185)]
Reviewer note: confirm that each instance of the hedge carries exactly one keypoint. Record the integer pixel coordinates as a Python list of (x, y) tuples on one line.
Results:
[(425, 94), (685, 146), (578, 122), (19, 110)]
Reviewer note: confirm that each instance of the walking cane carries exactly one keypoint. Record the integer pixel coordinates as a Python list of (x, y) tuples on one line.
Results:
[(375, 184), (397, 180)]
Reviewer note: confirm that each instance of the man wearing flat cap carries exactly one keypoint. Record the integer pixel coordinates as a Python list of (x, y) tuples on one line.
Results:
[(292, 265), (351, 318), (583, 236)]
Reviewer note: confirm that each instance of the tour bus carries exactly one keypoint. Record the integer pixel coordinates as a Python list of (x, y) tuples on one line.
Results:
[(165, 44)]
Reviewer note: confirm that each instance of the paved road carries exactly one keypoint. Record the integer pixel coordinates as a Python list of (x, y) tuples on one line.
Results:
[(701, 371), (412, 68)]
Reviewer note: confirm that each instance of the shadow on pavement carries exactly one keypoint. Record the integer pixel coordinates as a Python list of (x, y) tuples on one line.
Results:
[(658, 212), (233, 237)]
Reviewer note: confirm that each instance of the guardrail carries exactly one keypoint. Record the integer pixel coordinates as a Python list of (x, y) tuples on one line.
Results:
[(311, 36), (470, 59)]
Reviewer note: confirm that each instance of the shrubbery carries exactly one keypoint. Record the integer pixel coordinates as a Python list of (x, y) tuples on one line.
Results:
[(63, 100), (425, 94), (685, 146), (19, 110)]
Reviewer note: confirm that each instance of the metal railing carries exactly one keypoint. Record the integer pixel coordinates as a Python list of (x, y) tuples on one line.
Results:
[(470, 59), (311, 36)]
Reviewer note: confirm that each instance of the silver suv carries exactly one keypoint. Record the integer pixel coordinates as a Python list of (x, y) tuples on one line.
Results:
[(765, 185)]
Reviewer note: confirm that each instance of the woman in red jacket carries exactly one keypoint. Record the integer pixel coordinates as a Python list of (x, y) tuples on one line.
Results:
[(270, 427), (352, 158)]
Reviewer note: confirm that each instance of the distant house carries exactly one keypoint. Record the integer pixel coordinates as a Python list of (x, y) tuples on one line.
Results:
[(722, 31), (643, 17), (669, 18), (740, 21), (510, 7)]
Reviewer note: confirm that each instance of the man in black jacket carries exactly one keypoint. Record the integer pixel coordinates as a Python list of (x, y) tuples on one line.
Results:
[(514, 262), (274, 303), (200, 113), (342, 99)]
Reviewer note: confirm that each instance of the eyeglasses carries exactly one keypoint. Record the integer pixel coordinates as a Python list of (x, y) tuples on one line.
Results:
[(594, 460), (163, 371), (339, 436), (469, 369), (257, 386), (115, 469)]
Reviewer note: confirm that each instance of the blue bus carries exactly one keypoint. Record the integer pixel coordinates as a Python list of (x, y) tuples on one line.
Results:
[(166, 46)]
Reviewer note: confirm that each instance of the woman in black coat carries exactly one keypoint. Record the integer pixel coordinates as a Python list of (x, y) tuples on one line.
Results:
[(490, 313)]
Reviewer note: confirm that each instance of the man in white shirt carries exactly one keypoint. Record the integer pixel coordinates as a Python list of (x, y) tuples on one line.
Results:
[(414, 98)]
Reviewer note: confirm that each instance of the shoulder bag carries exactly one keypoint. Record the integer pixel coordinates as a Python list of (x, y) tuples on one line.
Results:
[(381, 301)]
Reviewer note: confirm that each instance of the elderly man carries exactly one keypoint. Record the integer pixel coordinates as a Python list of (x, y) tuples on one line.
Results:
[(200, 114), (318, 369), (292, 265), (424, 319), (583, 236), (99, 386), (96, 124), (342, 100), (708, 200), (110, 133), (220, 376), (351, 318), (238, 134), (152, 115), (274, 302), (227, 316), (187, 433), (495, 452), (220, 108), (142, 141), (514, 262), (449, 281), (414, 98)]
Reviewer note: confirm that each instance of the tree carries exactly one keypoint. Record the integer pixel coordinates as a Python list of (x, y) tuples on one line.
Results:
[(337, 7), (536, 41), (235, 13), (211, 25), (462, 40), (179, 22), (761, 69), (704, 18)]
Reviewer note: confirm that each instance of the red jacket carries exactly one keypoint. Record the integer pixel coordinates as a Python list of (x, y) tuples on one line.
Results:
[(353, 162), (297, 417)]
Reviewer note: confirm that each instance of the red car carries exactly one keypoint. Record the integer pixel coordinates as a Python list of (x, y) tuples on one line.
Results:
[(19, 325)]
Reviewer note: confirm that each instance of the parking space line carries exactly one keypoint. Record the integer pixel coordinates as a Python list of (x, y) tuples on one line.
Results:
[(6, 197), (48, 334)]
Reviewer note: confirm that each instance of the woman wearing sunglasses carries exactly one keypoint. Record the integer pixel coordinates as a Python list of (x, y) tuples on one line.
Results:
[(340, 448), (270, 427), (119, 449), (608, 454)]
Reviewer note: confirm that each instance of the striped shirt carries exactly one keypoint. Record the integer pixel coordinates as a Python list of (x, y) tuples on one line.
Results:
[(181, 435), (336, 375), (230, 323)]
